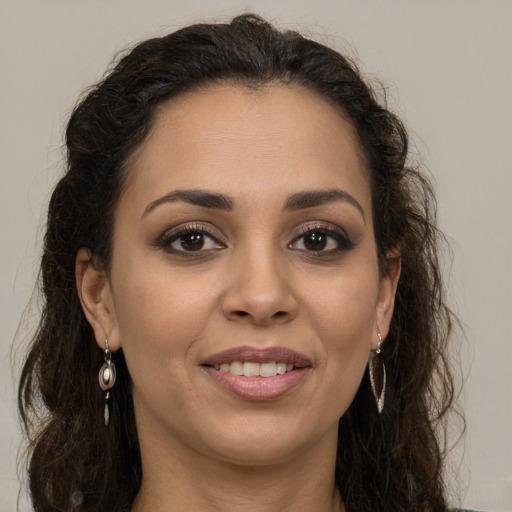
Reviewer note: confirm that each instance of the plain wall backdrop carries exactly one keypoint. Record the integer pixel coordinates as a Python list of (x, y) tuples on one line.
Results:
[(447, 68)]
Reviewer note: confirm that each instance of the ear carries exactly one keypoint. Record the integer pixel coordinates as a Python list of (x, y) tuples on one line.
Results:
[(386, 299), (96, 298)]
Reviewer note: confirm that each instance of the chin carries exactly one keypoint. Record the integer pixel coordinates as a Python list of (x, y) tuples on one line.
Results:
[(263, 443)]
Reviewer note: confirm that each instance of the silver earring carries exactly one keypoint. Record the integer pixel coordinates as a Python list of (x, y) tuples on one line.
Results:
[(377, 372), (107, 378)]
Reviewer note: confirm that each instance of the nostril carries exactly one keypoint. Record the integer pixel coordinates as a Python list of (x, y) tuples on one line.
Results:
[(278, 316)]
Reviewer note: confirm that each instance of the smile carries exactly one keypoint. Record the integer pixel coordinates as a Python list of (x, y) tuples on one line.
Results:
[(258, 374), (253, 369)]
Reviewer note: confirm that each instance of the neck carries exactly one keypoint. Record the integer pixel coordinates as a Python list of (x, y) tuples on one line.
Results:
[(185, 480)]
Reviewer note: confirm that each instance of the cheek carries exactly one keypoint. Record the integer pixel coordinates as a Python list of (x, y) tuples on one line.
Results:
[(343, 305), (343, 315), (159, 317)]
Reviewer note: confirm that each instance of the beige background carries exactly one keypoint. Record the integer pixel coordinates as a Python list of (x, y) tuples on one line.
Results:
[(448, 69)]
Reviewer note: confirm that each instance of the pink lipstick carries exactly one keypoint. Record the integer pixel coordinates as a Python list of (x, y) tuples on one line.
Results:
[(258, 374)]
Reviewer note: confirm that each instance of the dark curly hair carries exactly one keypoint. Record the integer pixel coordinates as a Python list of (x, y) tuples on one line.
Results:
[(391, 461)]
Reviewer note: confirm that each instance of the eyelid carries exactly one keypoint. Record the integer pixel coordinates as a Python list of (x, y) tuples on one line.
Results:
[(327, 227), (187, 227), (170, 235), (333, 230)]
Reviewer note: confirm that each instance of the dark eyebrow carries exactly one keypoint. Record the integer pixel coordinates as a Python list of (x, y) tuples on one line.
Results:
[(314, 198), (203, 198)]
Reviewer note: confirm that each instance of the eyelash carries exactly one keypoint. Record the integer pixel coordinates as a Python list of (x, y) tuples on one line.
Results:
[(343, 242), (167, 239)]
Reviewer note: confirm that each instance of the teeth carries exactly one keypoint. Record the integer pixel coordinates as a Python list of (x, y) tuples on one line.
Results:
[(268, 369), (250, 369), (236, 368), (281, 368)]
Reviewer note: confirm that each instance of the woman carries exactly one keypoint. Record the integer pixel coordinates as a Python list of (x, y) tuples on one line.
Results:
[(240, 250)]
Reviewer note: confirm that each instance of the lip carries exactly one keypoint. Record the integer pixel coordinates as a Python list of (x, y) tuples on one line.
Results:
[(258, 388), (258, 355)]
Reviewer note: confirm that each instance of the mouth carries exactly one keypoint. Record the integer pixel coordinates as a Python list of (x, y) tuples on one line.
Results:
[(255, 369), (258, 374)]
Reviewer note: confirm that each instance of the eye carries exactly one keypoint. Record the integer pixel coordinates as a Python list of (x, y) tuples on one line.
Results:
[(190, 241), (321, 240)]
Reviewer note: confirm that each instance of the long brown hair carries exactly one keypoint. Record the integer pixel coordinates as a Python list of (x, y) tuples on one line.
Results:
[(391, 461)]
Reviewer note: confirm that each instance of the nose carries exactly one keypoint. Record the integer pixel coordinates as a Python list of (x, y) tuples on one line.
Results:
[(259, 292)]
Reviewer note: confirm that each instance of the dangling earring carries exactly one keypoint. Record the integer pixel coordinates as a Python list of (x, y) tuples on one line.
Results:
[(377, 374), (107, 378)]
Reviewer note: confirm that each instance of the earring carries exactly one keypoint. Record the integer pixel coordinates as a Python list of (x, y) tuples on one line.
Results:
[(377, 372), (107, 378)]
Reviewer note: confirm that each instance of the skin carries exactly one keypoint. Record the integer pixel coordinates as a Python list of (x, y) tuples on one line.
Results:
[(256, 282)]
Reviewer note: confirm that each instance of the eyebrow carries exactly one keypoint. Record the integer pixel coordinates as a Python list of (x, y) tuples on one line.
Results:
[(313, 198), (203, 198), (217, 201)]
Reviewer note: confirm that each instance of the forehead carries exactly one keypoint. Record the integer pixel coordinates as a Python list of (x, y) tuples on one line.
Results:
[(270, 139)]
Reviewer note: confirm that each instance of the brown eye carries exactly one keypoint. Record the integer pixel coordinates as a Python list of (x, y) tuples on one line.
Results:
[(192, 241), (188, 241), (322, 241), (315, 241)]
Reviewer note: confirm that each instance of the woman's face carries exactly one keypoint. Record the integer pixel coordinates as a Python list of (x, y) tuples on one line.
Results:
[(243, 243)]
